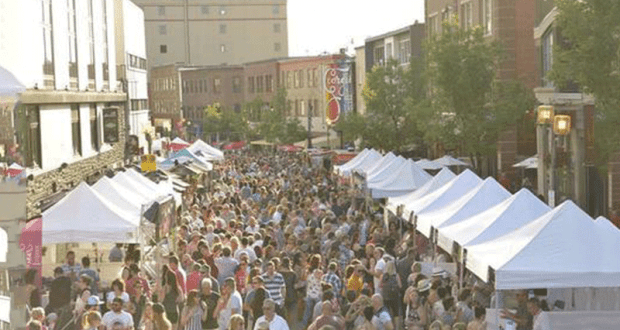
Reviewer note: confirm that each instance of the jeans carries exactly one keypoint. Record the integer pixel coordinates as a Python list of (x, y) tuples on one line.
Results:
[(310, 302)]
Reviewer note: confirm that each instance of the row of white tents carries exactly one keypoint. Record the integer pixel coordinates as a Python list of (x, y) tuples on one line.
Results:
[(516, 240), (199, 153), (111, 210)]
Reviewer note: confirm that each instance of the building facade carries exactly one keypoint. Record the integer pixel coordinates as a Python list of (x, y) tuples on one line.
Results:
[(509, 22), (132, 67), (360, 79), (400, 45), (73, 109), (165, 98), (207, 32), (204, 86), (261, 81)]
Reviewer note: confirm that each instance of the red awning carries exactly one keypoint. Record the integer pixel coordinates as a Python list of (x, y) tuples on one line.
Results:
[(235, 145), (290, 148)]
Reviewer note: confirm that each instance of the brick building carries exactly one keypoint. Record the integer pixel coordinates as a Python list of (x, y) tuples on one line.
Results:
[(165, 98), (511, 23)]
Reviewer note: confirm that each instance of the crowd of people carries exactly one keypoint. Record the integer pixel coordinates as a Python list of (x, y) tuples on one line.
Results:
[(275, 242)]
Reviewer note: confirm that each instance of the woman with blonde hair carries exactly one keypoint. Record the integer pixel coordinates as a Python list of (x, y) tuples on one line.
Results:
[(91, 321), (236, 322), (391, 291), (192, 312), (160, 321), (146, 323)]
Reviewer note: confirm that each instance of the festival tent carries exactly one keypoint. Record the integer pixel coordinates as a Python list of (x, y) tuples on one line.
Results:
[(445, 195), (528, 163), (164, 187), (203, 149), (386, 170), (371, 159), (352, 162), (563, 248), (84, 215), (515, 212), (486, 194), (125, 199), (177, 144), (235, 145), (4, 245), (132, 184), (9, 85), (405, 179), (377, 166), (433, 184), (14, 170), (448, 160), (428, 164), (184, 156)]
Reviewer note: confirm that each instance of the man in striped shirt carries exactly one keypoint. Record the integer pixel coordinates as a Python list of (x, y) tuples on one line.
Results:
[(275, 285)]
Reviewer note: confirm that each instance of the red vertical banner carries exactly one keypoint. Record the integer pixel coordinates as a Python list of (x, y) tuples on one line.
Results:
[(31, 242)]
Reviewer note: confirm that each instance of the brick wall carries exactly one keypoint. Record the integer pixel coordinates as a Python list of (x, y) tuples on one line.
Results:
[(613, 167)]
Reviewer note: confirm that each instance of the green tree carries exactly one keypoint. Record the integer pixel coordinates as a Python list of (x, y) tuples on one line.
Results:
[(275, 126), (229, 124), (589, 54)]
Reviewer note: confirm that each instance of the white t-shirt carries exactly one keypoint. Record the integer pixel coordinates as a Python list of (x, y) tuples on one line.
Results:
[(123, 317), (111, 295), (380, 320), (235, 302), (278, 323), (541, 322), (379, 267)]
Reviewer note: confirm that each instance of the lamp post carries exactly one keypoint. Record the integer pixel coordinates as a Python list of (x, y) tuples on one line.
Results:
[(553, 126)]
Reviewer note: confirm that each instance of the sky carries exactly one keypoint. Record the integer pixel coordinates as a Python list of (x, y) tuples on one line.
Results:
[(316, 26)]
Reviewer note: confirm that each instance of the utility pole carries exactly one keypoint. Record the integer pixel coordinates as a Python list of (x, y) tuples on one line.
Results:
[(309, 125)]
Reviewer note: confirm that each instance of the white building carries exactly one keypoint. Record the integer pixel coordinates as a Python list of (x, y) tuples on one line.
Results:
[(72, 118), (132, 66)]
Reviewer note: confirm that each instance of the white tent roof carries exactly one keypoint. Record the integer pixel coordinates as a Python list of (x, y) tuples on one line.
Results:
[(368, 162), (448, 160), (4, 245), (563, 248), (147, 182), (124, 198), (428, 164), (531, 162), (433, 184), (346, 168), (516, 211), (487, 193), (9, 85), (84, 215), (178, 140), (132, 184), (443, 196), (607, 226), (386, 170), (377, 166), (405, 179), (16, 166), (206, 149)]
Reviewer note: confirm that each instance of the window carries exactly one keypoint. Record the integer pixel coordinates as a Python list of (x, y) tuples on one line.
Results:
[(277, 27), (269, 83), (297, 108), (204, 82), (296, 79), (201, 86), (163, 49), (138, 104), (289, 79), (276, 9), (222, 48), (251, 85), (404, 51), (259, 84), (431, 25), (466, 14), (487, 16), (277, 46), (222, 28), (33, 158), (445, 15), (162, 30), (315, 76), (161, 10), (94, 127), (48, 38), (388, 51), (73, 72), (205, 10), (309, 75), (217, 85), (104, 32), (222, 10), (301, 78), (379, 56), (547, 56), (75, 130), (236, 84)]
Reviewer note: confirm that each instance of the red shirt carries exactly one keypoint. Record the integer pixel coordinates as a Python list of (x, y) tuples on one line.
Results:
[(180, 280), (193, 281)]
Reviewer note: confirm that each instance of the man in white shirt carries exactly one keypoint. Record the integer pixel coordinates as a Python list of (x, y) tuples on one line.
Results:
[(541, 320), (276, 322), (382, 319), (117, 315), (379, 267)]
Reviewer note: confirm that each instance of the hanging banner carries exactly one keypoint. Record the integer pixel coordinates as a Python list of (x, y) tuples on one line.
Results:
[(31, 242), (337, 83), (110, 125)]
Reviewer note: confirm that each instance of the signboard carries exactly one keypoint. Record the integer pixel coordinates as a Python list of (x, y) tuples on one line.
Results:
[(110, 125), (148, 163), (337, 83)]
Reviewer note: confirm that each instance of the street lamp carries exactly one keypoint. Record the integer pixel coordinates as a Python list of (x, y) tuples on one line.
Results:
[(561, 125), (545, 114)]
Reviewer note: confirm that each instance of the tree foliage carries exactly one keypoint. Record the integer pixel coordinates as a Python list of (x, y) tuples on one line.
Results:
[(275, 126), (229, 124), (589, 55)]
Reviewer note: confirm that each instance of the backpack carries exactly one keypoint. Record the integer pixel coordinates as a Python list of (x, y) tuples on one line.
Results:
[(390, 288)]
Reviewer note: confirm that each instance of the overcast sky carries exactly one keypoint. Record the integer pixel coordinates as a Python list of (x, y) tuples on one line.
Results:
[(315, 26)]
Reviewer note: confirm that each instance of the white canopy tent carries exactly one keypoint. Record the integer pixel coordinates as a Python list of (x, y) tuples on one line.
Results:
[(9, 85), (345, 169), (515, 212), (443, 196), (367, 163), (428, 164), (377, 166), (84, 215), (448, 160), (486, 194), (124, 198), (405, 179), (129, 182), (178, 140), (205, 150), (528, 163), (440, 179), (607, 226), (4, 245), (563, 248), (386, 170)]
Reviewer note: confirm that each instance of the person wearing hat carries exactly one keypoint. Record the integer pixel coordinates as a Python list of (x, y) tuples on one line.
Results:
[(415, 317), (93, 303)]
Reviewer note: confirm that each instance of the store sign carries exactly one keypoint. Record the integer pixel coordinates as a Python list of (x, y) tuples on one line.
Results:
[(338, 88), (148, 163), (110, 125)]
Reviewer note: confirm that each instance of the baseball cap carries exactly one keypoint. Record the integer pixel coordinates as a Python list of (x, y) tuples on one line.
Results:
[(93, 301)]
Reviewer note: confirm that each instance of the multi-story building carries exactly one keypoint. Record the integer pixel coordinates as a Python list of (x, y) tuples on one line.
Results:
[(575, 154), (131, 63), (261, 80), (165, 98), (400, 45), (204, 86), (509, 22), (73, 108), (214, 32), (360, 79)]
